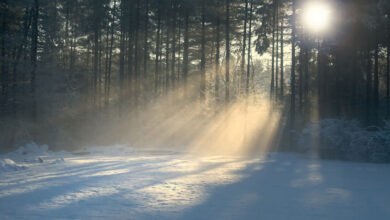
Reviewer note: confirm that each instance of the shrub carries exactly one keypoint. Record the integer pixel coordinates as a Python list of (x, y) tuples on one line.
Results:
[(348, 140)]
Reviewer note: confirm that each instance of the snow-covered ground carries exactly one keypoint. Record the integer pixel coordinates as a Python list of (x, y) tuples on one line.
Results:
[(118, 182)]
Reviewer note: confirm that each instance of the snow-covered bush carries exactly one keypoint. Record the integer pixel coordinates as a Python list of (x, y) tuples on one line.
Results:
[(9, 165), (343, 139)]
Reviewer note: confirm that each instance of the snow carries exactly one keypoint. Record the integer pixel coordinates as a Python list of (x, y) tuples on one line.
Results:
[(9, 165), (119, 182)]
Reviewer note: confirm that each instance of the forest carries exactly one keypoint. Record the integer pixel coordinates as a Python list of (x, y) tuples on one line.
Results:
[(194, 109), (69, 66)]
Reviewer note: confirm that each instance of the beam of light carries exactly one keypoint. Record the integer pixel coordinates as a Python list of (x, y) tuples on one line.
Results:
[(175, 120), (179, 122), (317, 17)]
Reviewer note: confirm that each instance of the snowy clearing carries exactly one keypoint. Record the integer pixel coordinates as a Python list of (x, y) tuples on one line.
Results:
[(123, 183)]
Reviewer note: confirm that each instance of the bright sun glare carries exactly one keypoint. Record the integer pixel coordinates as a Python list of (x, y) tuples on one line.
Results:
[(316, 16)]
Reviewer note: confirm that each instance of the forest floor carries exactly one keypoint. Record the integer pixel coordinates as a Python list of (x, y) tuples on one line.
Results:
[(124, 183)]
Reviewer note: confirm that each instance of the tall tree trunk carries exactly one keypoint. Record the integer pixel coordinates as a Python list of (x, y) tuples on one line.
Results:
[(300, 77), (101, 45), (293, 63), (129, 38), (178, 51), (320, 78), (203, 54), (306, 70), (95, 61), (107, 51), (158, 33), (87, 63), (227, 62), (67, 18), (249, 48), (4, 62), (136, 52), (122, 55), (388, 80), (277, 50), (186, 47), (353, 79), (167, 49), (130, 76), (368, 86), (273, 49), (34, 49), (243, 52), (218, 53), (282, 58), (173, 44), (376, 79), (71, 53), (146, 55)]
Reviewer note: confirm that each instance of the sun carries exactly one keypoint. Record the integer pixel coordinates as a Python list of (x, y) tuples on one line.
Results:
[(316, 16)]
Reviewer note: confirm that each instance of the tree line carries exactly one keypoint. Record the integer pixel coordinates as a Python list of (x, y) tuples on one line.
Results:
[(128, 52)]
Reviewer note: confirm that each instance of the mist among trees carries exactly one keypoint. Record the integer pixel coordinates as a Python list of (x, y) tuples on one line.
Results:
[(83, 71)]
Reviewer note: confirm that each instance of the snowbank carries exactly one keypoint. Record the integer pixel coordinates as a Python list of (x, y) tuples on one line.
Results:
[(343, 139), (9, 165), (29, 154)]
